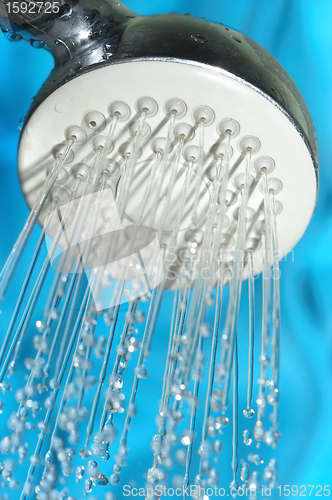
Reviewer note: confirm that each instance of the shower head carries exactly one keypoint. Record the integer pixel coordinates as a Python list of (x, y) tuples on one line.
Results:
[(189, 135), (105, 53)]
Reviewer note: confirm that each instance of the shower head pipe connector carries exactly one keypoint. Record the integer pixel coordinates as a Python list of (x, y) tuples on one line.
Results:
[(68, 29), (86, 35)]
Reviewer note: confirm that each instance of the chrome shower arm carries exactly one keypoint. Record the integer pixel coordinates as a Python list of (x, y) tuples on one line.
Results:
[(71, 27)]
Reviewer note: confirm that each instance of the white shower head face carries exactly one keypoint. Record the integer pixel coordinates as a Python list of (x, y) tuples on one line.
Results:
[(208, 105)]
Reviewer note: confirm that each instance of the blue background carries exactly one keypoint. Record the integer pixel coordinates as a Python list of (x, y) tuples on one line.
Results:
[(298, 33)]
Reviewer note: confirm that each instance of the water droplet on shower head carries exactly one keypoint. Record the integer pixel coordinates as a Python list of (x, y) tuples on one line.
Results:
[(13, 37), (37, 44), (199, 38)]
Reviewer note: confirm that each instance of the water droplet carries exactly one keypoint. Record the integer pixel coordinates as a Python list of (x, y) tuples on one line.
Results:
[(85, 453), (5, 387), (132, 410), (259, 431), (93, 464), (115, 479), (255, 478), (199, 38), (22, 454), (99, 480), (234, 488), (130, 318), (141, 372), (24, 413), (13, 37), (48, 457), (245, 473), (265, 360), (218, 446), (248, 412), (34, 459), (205, 450), (49, 403), (107, 55), (139, 316), (272, 398), (80, 472), (256, 459), (222, 421), (216, 401), (194, 237), (14, 484), (132, 344), (187, 437), (205, 330), (54, 384), (154, 475), (37, 44), (104, 453), (247, 438), (41, 388), (271, 438), (209, 299), (88, 485)]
